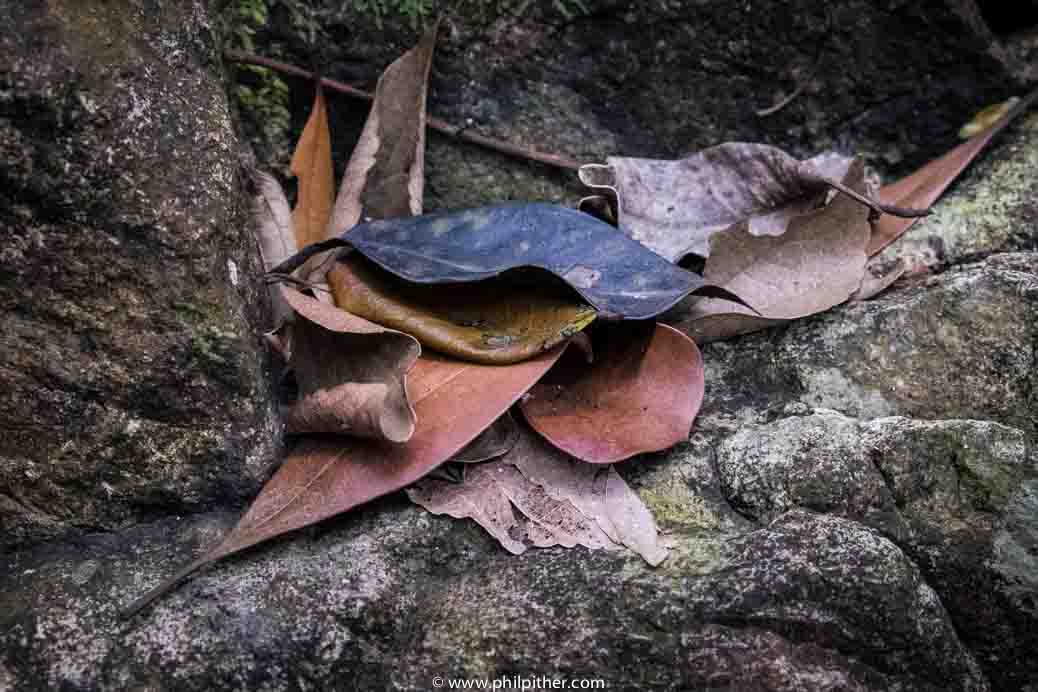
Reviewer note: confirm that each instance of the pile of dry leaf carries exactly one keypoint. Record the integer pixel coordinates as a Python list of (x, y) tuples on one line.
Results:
[(549, 308)]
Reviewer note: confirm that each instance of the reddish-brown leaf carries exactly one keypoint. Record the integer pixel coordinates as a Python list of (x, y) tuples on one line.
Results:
[(351, 373), (923, 187), (325, 476), (312, 165), (640, 394)]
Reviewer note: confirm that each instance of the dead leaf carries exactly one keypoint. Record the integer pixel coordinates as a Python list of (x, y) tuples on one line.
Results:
[(488, 494), (925, 186), (987, 117), (312, 166), (272, 220), (351, 374), (597, 491), (816, 264), (498, 321), (557, 499), (674, 207), (329, 475), (618, 276), (640, 395), (386, 173)]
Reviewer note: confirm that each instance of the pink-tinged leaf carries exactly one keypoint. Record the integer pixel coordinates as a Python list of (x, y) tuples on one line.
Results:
[(639, 395), (925, 186), (322, 477)]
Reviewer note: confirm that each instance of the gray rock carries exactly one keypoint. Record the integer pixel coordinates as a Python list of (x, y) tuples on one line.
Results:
[(391, 597), (953, 494), (132, 375), (961, 344)]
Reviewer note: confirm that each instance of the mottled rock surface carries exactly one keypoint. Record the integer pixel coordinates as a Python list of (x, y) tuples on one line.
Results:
[(132, 377), (856, 509)]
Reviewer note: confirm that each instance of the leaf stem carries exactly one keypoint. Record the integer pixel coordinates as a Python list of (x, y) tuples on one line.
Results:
[(164, 587), (441, 126), (876, 206)]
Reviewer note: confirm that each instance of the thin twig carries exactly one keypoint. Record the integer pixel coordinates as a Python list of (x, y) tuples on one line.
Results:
[(876, 206), (764, 112), (801, 81), (433, 123)]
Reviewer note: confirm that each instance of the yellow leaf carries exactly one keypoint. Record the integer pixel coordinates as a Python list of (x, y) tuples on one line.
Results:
[(494, 322)]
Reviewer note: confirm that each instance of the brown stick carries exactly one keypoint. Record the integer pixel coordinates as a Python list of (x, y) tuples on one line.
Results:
[(433, 123), (875, 205)]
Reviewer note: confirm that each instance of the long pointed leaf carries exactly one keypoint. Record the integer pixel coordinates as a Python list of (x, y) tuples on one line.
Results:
[(386, 173), (312, 165), (925, 186), (326, 476)]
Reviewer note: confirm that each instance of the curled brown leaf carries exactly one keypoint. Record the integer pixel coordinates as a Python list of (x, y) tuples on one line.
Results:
[(351, 373), (674, 207), (816, 264)]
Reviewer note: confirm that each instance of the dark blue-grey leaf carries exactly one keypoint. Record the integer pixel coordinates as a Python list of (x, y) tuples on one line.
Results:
[(618, 276)]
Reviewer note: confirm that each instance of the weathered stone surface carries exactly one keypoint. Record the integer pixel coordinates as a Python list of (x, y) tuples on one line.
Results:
[(961, 344), (393, 597), (947, 492), (993, 209), (132, 378)]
